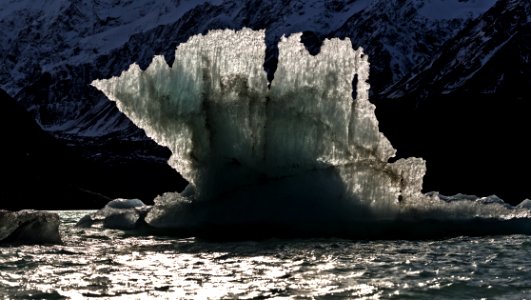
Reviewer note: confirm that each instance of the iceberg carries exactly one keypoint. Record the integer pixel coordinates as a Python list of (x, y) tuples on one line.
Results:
[(297, 154), (124, 214), (29, 227)]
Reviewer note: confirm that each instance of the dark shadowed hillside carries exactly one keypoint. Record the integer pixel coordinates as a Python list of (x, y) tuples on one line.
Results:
[(39, 171)]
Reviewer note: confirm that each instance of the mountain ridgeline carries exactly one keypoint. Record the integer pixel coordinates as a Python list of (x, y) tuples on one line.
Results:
[(451, 79)]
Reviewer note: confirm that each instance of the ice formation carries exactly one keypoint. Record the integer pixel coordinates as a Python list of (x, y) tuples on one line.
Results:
[(125, 214), (29, 227), (298, 151)]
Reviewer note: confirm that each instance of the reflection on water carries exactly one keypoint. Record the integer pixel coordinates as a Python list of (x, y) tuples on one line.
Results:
[(110, 264)]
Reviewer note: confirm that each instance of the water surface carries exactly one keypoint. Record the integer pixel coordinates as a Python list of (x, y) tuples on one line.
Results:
[(111, 264)]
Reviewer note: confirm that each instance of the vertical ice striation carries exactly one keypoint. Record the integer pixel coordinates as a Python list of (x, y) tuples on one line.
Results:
[(299, 149), (207, 107), (313, 119)]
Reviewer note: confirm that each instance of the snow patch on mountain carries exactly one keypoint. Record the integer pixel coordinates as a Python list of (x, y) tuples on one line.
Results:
[(321, 15), (455, 9), (466, 55), (484, 58), (52, 33)]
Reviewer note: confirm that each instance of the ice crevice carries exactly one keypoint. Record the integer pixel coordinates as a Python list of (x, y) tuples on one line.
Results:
[(297, 151)]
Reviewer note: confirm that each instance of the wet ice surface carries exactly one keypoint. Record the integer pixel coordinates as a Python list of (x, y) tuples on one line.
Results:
[(110, 264), (293, 152)]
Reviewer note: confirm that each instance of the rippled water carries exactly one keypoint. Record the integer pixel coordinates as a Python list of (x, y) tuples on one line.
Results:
[(110, 264)]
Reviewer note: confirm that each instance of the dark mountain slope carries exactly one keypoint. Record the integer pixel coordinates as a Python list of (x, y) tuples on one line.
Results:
[(468, 111), (38, 171)]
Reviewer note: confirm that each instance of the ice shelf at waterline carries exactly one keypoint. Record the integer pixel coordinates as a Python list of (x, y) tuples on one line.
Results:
[(297, 152)]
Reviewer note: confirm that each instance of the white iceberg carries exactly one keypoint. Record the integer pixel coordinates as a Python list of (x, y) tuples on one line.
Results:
[(297, 152), (125, 214), (29, 227)]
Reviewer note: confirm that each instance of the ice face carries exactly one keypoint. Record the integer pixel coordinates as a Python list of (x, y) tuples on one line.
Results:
[(29, 227), (294, 150), (207, 108), (125, 214)]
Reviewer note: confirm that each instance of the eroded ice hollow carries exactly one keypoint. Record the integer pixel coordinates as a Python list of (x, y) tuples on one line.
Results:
[(301, 152)]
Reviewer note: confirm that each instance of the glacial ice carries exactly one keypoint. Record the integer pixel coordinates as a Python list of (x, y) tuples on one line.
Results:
[(29, 227), (297, 151), (526, 204), (125, 203), (125, 214)]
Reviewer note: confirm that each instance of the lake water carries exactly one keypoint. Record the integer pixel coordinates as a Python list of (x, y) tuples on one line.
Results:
[(110, 264)]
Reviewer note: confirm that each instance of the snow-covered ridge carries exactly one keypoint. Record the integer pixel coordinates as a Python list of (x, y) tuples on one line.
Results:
[(77, 41), (455, 9), (78, 31), (468, 53)]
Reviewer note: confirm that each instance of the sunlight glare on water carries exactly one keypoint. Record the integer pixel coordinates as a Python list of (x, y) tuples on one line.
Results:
[(111, 264)]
